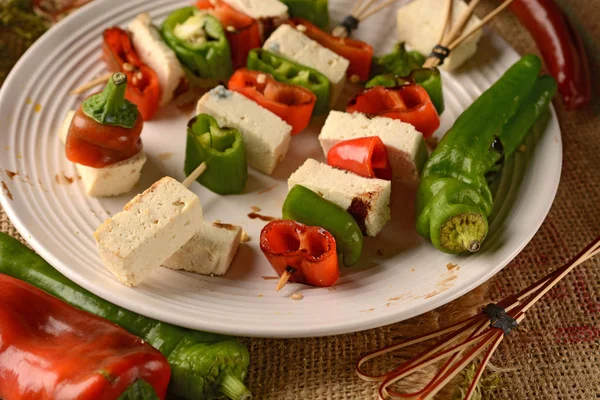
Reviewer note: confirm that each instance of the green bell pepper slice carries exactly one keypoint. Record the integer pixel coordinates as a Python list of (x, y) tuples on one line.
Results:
[(399, 62), (305, 206), (223, 151), (199, 41), (109, 107), (203, 365), (315, 11), (428, 78), (287, 71), (454, 199)]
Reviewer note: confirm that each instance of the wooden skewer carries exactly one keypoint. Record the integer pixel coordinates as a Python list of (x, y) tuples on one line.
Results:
[(449, 8), (285, 277), (360, 12), (377, 9), (94, 82), (194, 175)]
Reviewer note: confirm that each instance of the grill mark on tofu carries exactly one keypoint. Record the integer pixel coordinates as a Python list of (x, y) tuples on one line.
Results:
[(359, 209), (221, 225)]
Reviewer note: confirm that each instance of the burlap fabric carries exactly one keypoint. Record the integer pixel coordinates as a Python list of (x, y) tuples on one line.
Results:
[(556, 352)]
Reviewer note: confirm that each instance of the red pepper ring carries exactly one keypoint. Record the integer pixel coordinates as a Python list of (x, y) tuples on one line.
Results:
[(300, 253), (292, 103), (408, 103), (365, 156)]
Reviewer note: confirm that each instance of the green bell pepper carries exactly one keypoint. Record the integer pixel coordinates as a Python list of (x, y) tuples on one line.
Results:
[(428, 78), (109, 107), (398, 62), (315, 11), (203, 365), (223, 151), (305, 206), (200, 43), (454, 199), (284, 70)]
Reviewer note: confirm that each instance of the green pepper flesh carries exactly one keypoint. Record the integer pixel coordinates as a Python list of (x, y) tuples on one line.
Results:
[(315, 11)]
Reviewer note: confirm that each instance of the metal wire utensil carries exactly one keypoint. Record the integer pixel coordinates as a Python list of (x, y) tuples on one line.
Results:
[(463, 342)]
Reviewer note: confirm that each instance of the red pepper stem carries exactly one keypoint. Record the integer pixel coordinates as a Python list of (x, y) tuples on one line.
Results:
[(285, 277)]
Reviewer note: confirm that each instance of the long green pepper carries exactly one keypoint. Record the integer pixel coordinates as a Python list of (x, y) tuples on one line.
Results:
[(315, 11), (286, 71), (454, 199), (203, 365), (223, 151), (199, 41)]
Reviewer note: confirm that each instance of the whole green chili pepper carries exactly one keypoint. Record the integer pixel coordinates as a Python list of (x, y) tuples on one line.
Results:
[(203, 365), (284, 70), (315, 11), (454, 199), (109, 107), (305, 206), (199, 42), (223, 151), (428, 78), (398, 62), (516, 129)]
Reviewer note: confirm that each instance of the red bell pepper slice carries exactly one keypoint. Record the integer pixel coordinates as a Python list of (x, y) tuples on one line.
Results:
[(292, 103), (52, 350), (307, 254), (360, 54), (143, 87), (242, 32), (366, 157), (409, 103)]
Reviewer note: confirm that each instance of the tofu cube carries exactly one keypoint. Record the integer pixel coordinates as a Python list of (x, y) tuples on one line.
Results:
[(210, 251), (406, 148), (151, 227), (268, 13), (420, 23), (155, 53), (112, 180), (266, 136), (295, 45), (367, 200)]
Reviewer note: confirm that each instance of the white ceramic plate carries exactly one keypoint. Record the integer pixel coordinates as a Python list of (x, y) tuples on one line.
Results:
[(400, 276)]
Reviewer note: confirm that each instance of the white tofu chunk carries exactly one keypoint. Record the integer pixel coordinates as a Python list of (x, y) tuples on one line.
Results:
[(266, 136), (155, 53), (420, 24), (293, 44), (112, 180), (367, 200), (406, 148), (210, 251), (151, 227), (269, 13)]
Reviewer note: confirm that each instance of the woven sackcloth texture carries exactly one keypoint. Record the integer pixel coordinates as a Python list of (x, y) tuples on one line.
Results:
[(555, 354)]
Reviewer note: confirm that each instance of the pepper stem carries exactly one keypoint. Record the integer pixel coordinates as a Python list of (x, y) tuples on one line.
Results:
[(114, 97), (285, 277), (463, 232), (234, 389)]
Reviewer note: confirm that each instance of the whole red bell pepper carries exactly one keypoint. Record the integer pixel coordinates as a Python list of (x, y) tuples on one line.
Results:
[(409, 103), (143, 89), (51, 350), (304, 254), (242, 32), (366, 157), (560, 45), (292, 103), (360, 54)]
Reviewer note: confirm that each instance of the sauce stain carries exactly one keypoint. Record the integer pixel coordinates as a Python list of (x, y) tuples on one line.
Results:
[(5, 188), (63, 179), (11, 174), (28, 101), (266, 218), (255, 208), (268, 189), (229, 227), (270, 278), (162, 157), (37, 108), (451, 266)]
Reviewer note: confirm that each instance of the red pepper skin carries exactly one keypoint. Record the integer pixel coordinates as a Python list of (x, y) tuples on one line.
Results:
[(366, 157), (292, 103), (561, 46), (145, 93), (244, 37), (309, 250), (51, 350), (360, 54), (409, 103)]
